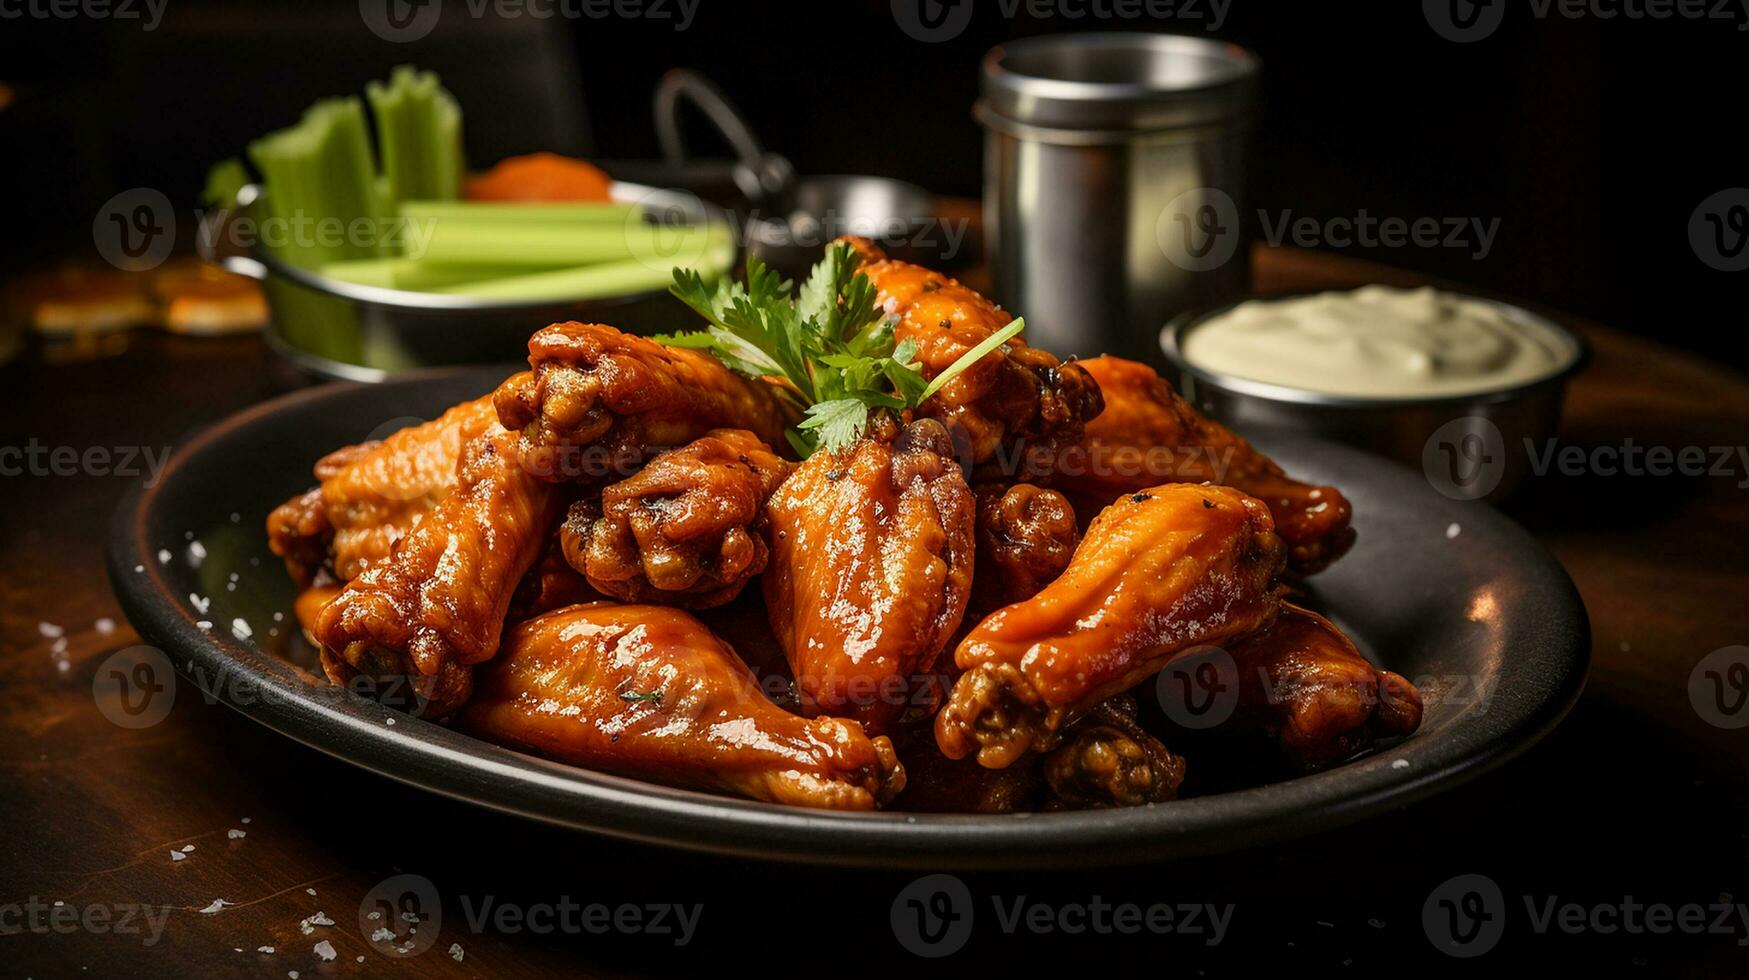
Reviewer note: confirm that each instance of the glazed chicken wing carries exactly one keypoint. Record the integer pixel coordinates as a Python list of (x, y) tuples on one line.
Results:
[(1159, 571), (598, 402), (1015, 397), (1303, 682), (1148, 434), (437, 604), (870, 569), (1108, 760), (688, 530), (648, 691), (373, 493), (1026, 535)]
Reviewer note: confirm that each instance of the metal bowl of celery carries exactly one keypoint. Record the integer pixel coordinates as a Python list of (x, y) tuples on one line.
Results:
[(468, 282)]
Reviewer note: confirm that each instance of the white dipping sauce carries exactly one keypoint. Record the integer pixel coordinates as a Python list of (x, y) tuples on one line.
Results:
[(1379, 342)]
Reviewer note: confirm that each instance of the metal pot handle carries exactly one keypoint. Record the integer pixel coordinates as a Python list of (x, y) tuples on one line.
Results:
[(765, 178), (214, 243)]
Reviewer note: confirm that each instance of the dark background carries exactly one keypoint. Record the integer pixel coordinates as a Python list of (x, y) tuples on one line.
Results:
[(1592, 139)]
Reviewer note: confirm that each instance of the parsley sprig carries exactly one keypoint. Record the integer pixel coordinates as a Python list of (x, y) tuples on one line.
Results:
[(830, 342)]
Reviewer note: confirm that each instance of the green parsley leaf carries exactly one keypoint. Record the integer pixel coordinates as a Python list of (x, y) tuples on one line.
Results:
[(830, 342)]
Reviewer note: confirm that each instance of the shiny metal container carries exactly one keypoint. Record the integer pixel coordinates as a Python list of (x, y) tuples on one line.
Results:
[(1114, 166), (1470, 447), (350, 332)]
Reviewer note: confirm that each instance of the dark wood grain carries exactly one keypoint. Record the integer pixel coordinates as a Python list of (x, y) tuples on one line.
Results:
[(1634, 795)]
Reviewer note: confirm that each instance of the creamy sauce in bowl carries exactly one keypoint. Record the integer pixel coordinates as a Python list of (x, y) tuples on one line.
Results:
[(1380, 342)]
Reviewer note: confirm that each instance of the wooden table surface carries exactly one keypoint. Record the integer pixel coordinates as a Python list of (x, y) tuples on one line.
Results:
[(1634, 798)]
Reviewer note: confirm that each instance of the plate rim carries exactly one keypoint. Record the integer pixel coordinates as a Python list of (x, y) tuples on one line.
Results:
[(439, 759)]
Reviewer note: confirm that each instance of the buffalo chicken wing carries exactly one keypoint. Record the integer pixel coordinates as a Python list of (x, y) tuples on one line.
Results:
[(598, 402), (1159, 571), (648, 691), (870, 570), (688, 530), (1148, 435)]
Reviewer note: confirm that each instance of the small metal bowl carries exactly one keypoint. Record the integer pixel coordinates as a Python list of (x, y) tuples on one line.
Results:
[(1470, 446), (351, 332)]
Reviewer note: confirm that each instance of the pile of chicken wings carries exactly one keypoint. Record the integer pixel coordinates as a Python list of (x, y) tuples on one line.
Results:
[(610, 562)]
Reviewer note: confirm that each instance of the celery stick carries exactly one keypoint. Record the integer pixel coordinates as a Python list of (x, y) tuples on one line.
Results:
[(594, 281), (519, 213), (419, 276), (457, 241)]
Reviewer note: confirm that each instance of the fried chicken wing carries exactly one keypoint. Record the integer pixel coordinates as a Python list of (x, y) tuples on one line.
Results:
[(1015, 396), (688, 530), (373, 493), (437, 604), (1148, 435), (649, 692), (1108, 760), (870, 569), (1303, 682), (1158, 571), (598, 402), (1026, 535)]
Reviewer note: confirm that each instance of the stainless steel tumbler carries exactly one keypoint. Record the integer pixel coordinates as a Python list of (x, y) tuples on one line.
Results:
[(1113, 170)]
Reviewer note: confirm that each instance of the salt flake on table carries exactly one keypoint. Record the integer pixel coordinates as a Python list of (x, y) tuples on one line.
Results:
[(50, 630), (309, 891), (205, 624), (177, 856), (187, 848), (455, 952), (1400, 764), (1452, 530), (218, 905), (245, 820), (382, 935), (241, 630), (196, 554), (264, 949), (163, 556), (199, 602), (325, 950), (235, 834)]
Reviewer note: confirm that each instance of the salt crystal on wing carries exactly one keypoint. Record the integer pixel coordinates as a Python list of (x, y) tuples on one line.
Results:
[(105, 625), (218, 905), (361, 958), (50, 630), (325, 950)]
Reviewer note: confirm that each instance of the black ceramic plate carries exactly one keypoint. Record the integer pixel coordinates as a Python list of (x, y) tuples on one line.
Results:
[(1483, 615)]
